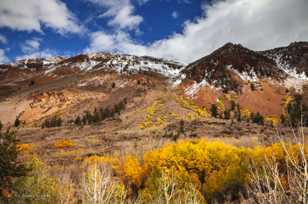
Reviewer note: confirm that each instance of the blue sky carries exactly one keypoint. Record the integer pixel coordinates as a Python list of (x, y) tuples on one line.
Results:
[(182, 30)]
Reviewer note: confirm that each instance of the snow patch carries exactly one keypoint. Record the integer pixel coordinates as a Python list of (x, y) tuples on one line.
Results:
[(193, 89), (245, 76), (294, 79)]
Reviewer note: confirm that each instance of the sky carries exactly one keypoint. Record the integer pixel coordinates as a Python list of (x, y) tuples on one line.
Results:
[(181, 30)]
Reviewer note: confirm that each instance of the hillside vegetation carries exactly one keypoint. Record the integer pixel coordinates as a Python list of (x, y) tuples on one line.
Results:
[(188, 171)]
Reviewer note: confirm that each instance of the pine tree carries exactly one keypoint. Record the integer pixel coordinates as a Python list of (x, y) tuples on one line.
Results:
[(17, 122), (96, 116), (257, 118), (227, 114), (214, 110), (77, 121), (238, 113), (9, 166)]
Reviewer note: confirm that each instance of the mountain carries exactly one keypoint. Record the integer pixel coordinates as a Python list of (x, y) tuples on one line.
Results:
[(35, 89), (231, 65), (293, 59)]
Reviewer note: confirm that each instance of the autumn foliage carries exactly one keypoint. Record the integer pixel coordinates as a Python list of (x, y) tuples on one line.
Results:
[(215, 170)]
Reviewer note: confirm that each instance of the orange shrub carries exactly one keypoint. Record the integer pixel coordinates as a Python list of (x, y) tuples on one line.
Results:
[(25, 147), (63, 143)]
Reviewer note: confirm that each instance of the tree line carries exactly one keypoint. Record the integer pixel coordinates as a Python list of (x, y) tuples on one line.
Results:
[(234, 113), (101, 114)]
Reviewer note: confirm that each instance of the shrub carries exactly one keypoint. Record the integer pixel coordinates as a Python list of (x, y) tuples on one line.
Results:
[(213, 166), (279, 174), (37, 187), (199, 169), (98, 186), (25, 147), (63, 144)]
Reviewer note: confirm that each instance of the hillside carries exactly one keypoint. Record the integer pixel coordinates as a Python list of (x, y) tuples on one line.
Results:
[(155, 96)]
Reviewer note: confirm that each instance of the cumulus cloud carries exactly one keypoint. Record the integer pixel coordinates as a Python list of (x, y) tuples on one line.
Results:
[(31, 15), (259, 25), (120, 12), (3, 39), (38, 54), (31, 46), (3, 57), (117, 42)]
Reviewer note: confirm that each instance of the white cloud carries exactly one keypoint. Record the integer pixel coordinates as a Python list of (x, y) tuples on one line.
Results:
[(118, 42), (3, 39), (259, 25), (31, 15), (38, 54), (3, 57), (121, 13), (31, 46), (175, 14)]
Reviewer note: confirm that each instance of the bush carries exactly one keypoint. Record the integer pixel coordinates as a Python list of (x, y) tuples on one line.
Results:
[(200, 169), (38, 186), (63, 143)]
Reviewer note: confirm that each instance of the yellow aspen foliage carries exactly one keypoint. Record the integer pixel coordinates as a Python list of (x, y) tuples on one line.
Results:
[(190, 105), (286, 101), (152, 119), (211, 168), (131, 170), (220, 105), (274, 121), (245, 113), (63, 143), (25, 147)]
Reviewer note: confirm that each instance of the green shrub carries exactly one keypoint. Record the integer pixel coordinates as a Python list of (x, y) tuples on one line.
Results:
[(37, 187)]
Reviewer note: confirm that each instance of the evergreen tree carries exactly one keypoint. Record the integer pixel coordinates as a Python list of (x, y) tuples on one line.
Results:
[(78, 121), (214, 110), (238, 113), (233, 105), (113, 85), (9, 166), (84, 120), (257, 118), (227, 114), (295, 111), (17, 122), (55, 121), (96, 116)]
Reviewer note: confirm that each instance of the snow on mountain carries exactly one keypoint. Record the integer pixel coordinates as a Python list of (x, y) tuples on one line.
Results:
[(226, 68)]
